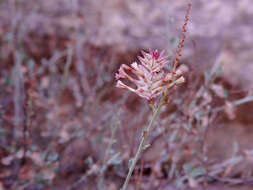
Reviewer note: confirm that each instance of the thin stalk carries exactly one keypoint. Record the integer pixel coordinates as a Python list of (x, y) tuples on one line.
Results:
[(156, 111), (234, 103), (107, 153), (142, 143)]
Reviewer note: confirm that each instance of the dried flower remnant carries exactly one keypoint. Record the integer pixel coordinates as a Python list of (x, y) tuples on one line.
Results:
[(151, 79), (182, 38)]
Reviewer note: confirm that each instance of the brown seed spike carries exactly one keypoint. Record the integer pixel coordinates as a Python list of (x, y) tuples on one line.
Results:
[(182, 38)]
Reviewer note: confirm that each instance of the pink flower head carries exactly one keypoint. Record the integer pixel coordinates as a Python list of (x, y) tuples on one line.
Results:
[(150, 80), (155, 54)]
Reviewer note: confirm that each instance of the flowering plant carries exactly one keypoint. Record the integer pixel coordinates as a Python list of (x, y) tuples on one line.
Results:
[(151, 80)]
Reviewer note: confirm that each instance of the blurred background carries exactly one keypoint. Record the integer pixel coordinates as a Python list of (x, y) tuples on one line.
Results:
[(64, 125)]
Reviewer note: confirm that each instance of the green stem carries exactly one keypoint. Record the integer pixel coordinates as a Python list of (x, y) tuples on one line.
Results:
[(142, 143), (156, 111)]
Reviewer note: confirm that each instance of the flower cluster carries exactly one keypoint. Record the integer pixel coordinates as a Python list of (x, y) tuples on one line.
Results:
[(151, 79)]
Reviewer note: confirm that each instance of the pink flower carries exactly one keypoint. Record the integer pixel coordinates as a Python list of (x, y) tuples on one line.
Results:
[(150, 80)]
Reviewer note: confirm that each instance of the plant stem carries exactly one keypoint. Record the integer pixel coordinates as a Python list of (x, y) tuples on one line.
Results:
[(234, 103), (142, 143)]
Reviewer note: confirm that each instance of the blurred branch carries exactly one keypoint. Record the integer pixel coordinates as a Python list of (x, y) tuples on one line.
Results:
[(234, 103), (67, 67)]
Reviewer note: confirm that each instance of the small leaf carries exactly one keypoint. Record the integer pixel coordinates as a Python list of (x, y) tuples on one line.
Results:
[(174, 134), (130, 162), (196, 172), (226, 93), (198, 115), (53, 157), (114, 141), (187, 168), (115, 160), (230, 110), (219, 70), (187, 126), (218, 90), (207, 75), (89, 161), (146, 146)]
